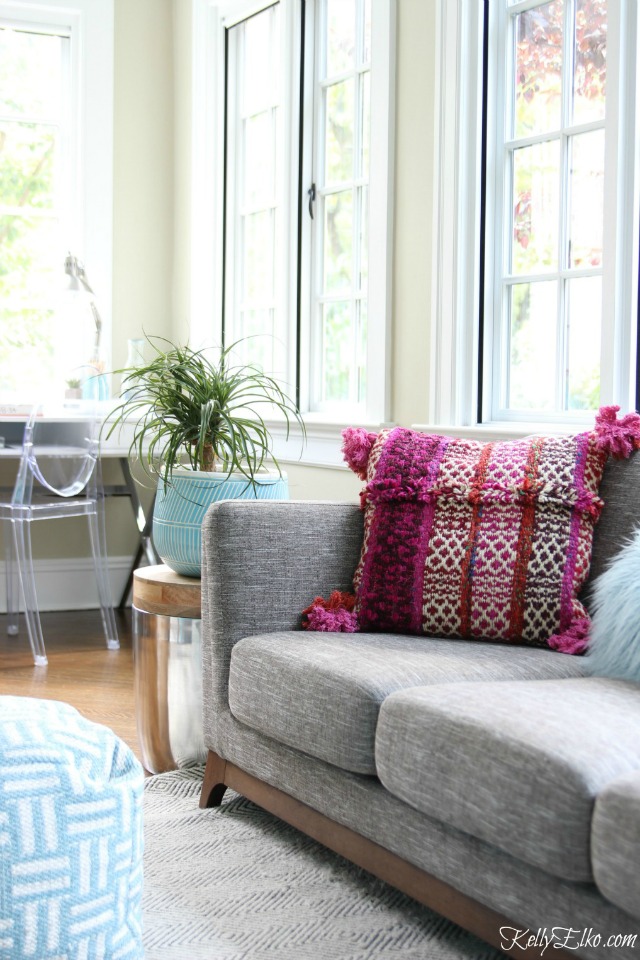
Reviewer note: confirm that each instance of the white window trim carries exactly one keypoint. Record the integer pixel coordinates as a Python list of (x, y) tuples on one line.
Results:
[(455, 289), (91, 220), (455, 343), (209, 19)]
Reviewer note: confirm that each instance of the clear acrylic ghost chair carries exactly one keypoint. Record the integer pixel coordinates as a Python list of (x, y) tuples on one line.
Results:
[(59, 453)]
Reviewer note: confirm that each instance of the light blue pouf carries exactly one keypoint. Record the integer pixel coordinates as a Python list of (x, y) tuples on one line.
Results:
[(70, 836)]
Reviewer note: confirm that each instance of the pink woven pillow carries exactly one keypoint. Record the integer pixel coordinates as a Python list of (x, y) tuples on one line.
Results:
[(481, 540)]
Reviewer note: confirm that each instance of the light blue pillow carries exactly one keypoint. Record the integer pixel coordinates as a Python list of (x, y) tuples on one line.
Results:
[(614, 650)]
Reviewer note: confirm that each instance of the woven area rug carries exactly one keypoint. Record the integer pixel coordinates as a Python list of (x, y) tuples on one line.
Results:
[(235, 883)]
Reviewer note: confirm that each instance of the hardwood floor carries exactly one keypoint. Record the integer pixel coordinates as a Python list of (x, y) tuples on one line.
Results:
[(81, 671)]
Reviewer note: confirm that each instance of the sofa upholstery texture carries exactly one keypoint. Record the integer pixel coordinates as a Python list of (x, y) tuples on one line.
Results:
[(615, 841), (501, 770)]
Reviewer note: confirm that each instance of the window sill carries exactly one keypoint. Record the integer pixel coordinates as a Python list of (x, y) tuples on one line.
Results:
[(324, 437), (504, 430), (323, 447)]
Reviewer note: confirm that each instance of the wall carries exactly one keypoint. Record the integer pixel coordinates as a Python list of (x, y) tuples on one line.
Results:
[(143, 235), (415, 107)]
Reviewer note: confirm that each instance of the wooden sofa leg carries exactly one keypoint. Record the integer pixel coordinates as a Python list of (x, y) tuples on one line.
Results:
[(213, 785)]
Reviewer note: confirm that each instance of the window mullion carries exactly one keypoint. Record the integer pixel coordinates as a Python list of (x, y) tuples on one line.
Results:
[(317, 357), (564, 212), (562, 314), (356, 201), (500, 307)]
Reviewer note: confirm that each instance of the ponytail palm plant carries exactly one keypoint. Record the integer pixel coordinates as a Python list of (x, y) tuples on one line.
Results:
[(210, 415)]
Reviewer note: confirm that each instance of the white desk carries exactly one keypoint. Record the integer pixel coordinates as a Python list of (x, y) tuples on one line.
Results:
[(116, 448)]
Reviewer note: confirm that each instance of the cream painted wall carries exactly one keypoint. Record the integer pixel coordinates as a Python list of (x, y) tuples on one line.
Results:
[(415, 108), (143, 203), (321, 483), (182, 118)]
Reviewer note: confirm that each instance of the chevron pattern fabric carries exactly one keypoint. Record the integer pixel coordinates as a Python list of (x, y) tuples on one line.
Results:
[(236, 883), (70, 837)]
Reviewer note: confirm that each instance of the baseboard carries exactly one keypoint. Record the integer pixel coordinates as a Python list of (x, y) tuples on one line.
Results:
[(70, 584)]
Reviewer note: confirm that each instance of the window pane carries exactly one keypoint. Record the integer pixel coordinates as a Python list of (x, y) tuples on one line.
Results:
[(30, 74), (538, 73), (365, 113), (27, 159), (260, 77), (337, 349), (36, 326), (366, 53), (590, 74), (587, 199), (254, 257), (532, 349), (364, 238), (257, 326), (339, 132), (338, 240), (258, 256), (341, 231), (361, 307), (341, 36), (31, 258), (28, 333), (259, 159), (536, 171), (585, 315)]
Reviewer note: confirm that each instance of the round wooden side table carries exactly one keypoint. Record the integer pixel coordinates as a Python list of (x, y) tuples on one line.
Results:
[(167, 667)]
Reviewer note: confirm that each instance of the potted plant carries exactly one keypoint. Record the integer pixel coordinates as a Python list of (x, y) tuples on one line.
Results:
[(198, 431), (74, 389)]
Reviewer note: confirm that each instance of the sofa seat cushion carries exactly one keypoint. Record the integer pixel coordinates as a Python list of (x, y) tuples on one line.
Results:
[(615, 842), (321, 692), (518, 765)]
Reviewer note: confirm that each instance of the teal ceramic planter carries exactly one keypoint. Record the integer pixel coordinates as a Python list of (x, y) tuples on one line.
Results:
[(180, 508)]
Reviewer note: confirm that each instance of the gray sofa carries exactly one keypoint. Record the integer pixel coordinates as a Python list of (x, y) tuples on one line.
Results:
[(497, 784)]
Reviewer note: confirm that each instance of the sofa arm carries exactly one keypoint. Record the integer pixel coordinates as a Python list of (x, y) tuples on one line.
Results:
[(615, 842), (263, 562)]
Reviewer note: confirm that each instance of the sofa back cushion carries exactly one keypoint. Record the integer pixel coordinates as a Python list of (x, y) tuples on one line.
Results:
[(620, 491)]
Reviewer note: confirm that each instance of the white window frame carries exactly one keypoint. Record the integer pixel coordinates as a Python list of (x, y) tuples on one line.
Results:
[(284, 291), (455, 342), (88, 216), (209, 20)]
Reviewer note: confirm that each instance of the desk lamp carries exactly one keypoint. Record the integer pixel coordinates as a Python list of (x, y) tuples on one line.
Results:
[(78, 283)]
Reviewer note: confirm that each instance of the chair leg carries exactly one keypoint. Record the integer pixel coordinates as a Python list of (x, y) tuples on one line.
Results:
[(99, 551), (22, 542), (11, 581)]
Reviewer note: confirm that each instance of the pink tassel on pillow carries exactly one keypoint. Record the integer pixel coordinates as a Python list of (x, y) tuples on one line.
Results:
[(617, 437), (336, 615), (573, 640), (356, 447)]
